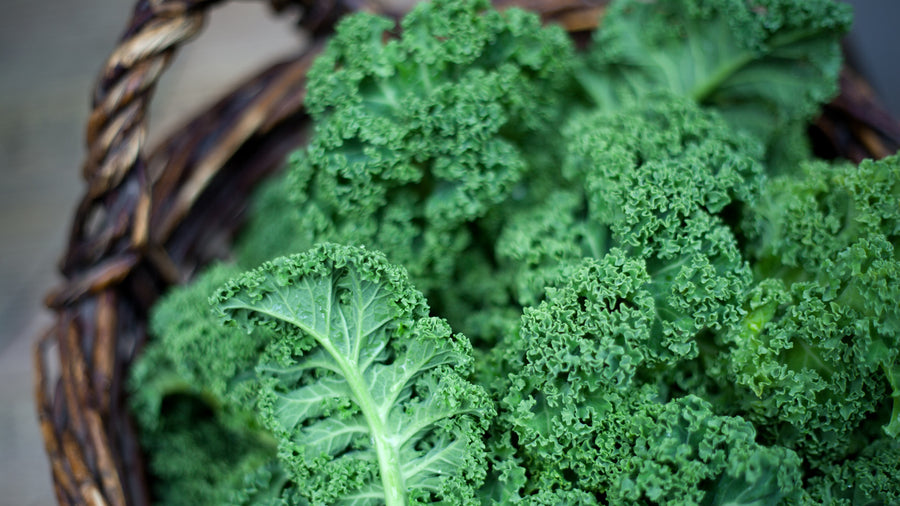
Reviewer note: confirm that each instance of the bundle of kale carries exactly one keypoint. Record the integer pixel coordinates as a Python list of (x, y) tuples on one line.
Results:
[(657, 295)]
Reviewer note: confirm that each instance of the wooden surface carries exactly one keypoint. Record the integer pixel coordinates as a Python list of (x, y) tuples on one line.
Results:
[(49, 56)]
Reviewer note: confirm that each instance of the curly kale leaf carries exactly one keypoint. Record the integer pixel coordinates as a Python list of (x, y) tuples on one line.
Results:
[(366, 394), (812, 216), (807, 371), (588, 414), (193, 392), (208, 357), (421, 130), (818, 349), (649, 165), (869, 478), (196, 456), (437, 111), (654, 181), (766, 65)]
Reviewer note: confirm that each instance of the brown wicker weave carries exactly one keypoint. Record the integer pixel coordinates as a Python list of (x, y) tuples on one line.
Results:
[(149, 219)]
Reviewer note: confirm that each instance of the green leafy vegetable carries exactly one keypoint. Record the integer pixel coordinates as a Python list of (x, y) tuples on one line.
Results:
[(765, 65), (664, 298), (193, 396), (366, 394)]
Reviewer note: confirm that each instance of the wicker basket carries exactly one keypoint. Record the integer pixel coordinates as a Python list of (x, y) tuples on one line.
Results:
[(151, 218)]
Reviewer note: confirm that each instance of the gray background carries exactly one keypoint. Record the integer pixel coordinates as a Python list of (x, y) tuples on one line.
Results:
[(49, 56)]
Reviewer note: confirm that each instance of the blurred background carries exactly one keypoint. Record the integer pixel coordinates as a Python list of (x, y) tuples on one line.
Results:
[(49, 58)]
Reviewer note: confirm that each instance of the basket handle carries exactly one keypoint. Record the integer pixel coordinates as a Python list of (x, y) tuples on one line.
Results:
[(116, 130)]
